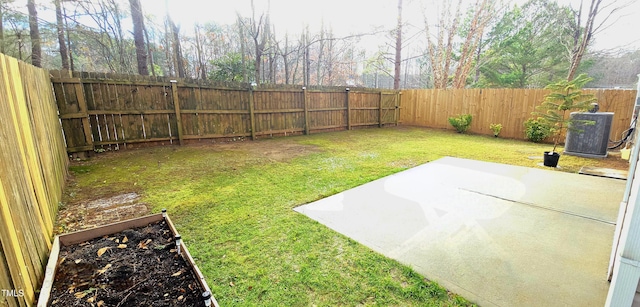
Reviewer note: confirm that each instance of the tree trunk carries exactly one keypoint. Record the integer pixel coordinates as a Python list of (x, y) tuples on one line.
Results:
[(177, 50), (69, 50), (319, 65), (1, 30), (329, 60), (20, 44), (258, 62), (285, 59), (201, 70), (149, 52), (398, 59), (476, 78), (245, 74), (259, 33), (64, 54), (168, 54), (307, 60), (480, 19), (138, 36), (440, 53), (582, 38), (36, 51)]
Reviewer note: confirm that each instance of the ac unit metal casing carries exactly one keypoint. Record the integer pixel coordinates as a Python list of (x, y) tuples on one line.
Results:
[(589, 141)]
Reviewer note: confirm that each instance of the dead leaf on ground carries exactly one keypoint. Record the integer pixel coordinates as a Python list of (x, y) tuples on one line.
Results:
[(125, 239), (80, 295), (100, 303), (106, 267), (143, 245), (78, 261), (103, 250), (177, 273), (122, 246), (91, 299)]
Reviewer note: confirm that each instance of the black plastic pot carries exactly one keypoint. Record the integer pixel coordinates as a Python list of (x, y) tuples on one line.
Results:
[(551, 159)]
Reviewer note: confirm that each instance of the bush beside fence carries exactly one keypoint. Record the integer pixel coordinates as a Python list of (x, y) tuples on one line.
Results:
[(509, 107)]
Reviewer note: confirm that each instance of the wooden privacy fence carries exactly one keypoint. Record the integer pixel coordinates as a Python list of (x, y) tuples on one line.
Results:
[(33, 168), (509, 107), (98, 111)]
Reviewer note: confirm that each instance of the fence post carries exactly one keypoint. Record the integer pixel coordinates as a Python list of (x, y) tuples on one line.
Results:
[(306, 110), (252, 115), (348, 111), (82, 105), (396, 112), (380, 111), (176, 105)]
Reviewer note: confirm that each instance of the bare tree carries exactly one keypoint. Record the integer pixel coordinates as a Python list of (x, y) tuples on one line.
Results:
[(112, 48), (149, 51), (306, 64), (177, 49), (583, 35), (64, 53), (398, 57), (245, 74), (481, 17), (66, 25), (259, 36), (440, 53), (34, 33), (285, 52), (201, 68), (138, 36)]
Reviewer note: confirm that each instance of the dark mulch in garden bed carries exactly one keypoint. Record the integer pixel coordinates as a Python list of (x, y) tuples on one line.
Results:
[(136, 267)]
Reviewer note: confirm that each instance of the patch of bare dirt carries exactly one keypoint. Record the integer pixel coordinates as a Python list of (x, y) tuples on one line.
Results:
[(276, 150), (89, 214)]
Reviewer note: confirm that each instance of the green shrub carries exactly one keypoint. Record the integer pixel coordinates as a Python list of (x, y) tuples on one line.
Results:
[(461, 122), (536, 131), (496, 128)]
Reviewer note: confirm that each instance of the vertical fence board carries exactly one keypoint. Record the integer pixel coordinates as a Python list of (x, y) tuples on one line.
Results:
[(127, 109), (509, 107), (33, 162)]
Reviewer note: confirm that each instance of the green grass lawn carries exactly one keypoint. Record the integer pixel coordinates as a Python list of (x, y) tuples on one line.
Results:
[(232, 203)]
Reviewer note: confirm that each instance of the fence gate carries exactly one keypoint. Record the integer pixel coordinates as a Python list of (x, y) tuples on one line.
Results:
[(389, 108)]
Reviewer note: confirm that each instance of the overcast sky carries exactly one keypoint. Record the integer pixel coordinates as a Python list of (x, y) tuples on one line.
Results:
[(352, 16)]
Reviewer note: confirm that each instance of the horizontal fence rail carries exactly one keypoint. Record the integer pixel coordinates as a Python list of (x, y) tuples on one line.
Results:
[(33, 169), (509, 107), (98, 112)]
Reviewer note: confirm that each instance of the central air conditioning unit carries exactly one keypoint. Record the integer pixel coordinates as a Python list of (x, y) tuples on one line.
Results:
[(586, 140)]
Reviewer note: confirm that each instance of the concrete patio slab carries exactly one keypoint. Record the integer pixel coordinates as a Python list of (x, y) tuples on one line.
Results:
[(499, 235), (604, 172)]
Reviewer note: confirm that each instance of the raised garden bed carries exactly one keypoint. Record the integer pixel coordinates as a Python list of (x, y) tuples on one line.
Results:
[(138, 262)]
